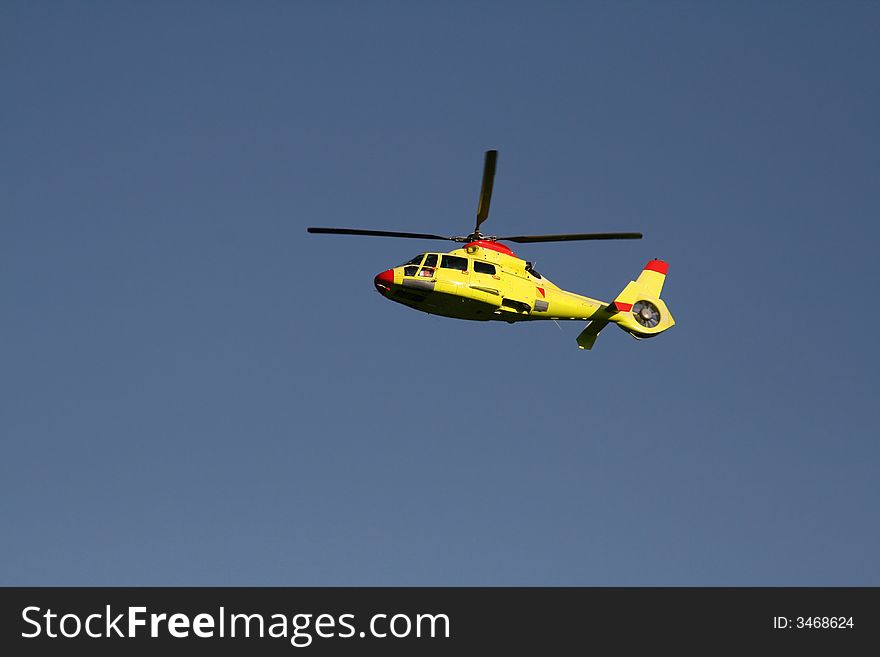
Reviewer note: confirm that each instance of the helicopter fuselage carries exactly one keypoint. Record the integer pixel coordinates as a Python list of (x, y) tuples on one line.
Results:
[(484, 280)]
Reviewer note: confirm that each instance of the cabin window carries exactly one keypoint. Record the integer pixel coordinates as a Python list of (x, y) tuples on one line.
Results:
[(416, 261), (454, 262), (431, 260), (410, 270), (481, 267)]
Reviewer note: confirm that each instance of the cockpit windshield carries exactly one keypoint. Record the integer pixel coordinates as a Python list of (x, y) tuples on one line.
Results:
[(411, 268)]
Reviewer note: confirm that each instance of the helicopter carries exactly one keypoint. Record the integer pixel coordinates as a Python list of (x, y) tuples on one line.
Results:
[(485, 280)]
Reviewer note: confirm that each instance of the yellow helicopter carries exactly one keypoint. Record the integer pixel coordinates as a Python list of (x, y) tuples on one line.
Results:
[(485, 280)]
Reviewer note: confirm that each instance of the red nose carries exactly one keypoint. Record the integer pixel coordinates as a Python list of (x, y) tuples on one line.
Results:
[(384, 281)]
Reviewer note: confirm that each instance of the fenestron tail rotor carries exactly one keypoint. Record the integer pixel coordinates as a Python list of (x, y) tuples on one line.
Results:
[(482, 214), (646, 314)]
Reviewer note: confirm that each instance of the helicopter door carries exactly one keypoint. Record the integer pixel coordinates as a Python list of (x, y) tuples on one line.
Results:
[(519, 294), (454, 269), (485, 277)]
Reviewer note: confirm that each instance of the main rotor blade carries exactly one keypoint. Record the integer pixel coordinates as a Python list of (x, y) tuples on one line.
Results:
[(524, 239), (486, 189), (377, 233)]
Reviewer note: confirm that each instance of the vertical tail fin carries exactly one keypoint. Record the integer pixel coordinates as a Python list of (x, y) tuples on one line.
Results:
[(648, 284), (653, 276)]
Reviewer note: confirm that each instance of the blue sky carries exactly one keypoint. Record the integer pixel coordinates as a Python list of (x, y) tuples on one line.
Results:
[(194, 391)]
